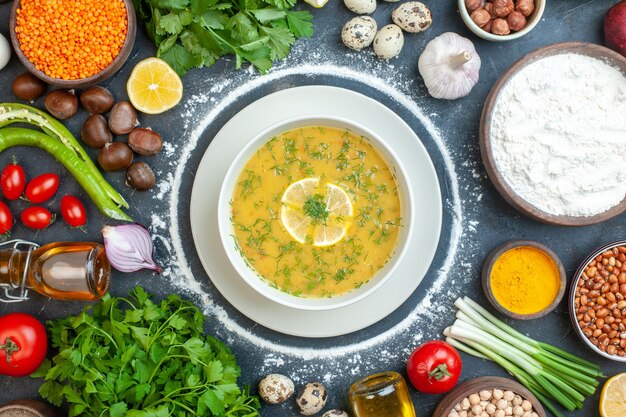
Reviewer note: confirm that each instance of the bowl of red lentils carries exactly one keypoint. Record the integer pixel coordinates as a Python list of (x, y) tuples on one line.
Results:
[(598, 301), (73, 43)]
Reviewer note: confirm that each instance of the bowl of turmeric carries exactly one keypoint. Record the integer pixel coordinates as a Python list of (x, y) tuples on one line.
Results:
[(523, 279), (73, 43)]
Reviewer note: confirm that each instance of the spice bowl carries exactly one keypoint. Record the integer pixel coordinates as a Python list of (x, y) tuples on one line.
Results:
[(597, 303), (485, 383), (509, 286), (531, 21), (106, 72), (27, 408)]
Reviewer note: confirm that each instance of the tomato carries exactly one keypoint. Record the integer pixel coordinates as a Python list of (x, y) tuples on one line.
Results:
[(6, 219), (37, 217), (42, 188), (73, 211), (23, 344), (434, 367), (13, 181)]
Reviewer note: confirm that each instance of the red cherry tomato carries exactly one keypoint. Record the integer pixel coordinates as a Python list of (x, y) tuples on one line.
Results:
[(6, 219), (73, 211), (434, 367), (42, 188), (23, 344), (13, 181), (37, 217)]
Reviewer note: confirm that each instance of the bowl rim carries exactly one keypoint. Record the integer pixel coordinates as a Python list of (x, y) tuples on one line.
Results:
[(572, 296), (534, 19), (498, 181), (257, 282), (475, 385), (112, 68), (495, 254)]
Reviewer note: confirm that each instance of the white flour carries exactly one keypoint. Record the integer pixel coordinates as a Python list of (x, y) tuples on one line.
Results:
[(559, 135)]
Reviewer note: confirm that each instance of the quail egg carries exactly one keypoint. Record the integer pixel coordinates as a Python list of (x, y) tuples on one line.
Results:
[(335, 413), (361, 6), (359, 32), (311, 398), (5, 51), (388, 42), (412, 17), (276, 388)]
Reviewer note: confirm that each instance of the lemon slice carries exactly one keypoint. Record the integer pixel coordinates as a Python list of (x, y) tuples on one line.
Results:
[(154, 87), (318, 4), (321, 214), (613, 397)]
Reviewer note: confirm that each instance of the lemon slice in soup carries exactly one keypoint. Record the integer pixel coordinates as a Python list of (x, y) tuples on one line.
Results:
[(312, 213)]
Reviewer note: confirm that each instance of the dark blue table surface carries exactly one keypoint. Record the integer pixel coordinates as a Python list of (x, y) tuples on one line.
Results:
[(484, 218)]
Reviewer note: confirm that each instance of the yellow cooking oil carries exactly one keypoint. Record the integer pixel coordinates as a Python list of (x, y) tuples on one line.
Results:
[(384, 394)]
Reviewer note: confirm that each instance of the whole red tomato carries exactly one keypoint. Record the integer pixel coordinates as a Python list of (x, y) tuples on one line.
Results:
[(37, 217), (23, 344), (13, 181), (6, 219), (42, 188), (434, 367), (73, 211)]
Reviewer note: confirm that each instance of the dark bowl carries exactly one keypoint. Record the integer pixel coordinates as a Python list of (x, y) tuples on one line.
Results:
[(474, 386), (488, 266), (115, 65), (34, 407), (572, 297)]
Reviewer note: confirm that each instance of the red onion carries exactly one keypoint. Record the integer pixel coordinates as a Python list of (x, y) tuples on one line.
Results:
[(129, 248)]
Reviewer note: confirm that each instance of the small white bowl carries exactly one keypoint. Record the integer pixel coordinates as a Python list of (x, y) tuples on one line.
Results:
[(531, 22), (251, 277)]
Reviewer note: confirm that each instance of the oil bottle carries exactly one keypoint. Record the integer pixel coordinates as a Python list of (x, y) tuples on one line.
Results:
[(62, 270), (384, 394)]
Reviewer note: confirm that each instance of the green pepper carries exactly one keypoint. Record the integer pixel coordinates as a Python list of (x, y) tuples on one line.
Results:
[(21, 113), (16, 136)]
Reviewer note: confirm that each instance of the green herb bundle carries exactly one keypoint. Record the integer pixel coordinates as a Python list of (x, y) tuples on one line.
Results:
[(147, 360), (196, 33)]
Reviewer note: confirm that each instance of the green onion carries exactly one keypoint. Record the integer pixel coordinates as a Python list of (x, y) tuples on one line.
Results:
[(550, 373)]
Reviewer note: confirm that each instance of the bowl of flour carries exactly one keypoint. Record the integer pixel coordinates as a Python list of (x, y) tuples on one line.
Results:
[(553, 134)]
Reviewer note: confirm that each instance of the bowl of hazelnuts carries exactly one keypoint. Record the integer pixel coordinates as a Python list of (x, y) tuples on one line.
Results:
[(501, 20)]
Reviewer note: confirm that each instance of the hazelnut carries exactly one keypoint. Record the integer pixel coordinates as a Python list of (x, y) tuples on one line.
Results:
[(516, 21), (502, 8), (489, 7), (487, 26), (472, 5), (480, 17), (500, 27), (526, 7)]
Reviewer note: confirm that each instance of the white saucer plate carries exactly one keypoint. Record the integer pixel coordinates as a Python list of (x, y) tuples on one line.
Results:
[(301, 101)]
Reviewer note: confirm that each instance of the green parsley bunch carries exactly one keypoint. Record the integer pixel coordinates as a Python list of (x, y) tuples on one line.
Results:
[(196, 33), (146, 360)]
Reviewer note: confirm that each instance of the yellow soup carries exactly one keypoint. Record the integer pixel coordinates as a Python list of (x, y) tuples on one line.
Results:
[(316, 211)]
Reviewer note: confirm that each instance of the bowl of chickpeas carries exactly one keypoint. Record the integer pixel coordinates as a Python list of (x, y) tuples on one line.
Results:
[(489, 396), (73, 43), (501, 20)]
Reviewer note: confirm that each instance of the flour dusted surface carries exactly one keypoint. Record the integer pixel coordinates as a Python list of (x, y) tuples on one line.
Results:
[(558, 135)]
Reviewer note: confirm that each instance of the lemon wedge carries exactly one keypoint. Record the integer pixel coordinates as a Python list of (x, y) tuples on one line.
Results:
[(318, 4), (154, 87), (613, 397), (317, 212)]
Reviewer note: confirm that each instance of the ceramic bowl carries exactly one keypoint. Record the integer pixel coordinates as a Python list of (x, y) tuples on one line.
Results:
[(531, 22), (28, 408), (488, 267), (474, 386), (250, 276), (572, 298), (496, 177), (113, 67)]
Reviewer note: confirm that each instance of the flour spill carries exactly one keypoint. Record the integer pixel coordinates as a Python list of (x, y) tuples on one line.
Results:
[(423, 321)]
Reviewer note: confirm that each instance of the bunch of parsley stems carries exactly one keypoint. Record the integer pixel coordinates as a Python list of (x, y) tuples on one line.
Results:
[(547, 371)]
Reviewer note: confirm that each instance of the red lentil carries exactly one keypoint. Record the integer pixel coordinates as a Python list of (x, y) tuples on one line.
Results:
[(71, 39)]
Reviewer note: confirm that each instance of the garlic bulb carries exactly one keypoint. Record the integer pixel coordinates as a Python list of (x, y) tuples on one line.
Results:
[(449, 66)]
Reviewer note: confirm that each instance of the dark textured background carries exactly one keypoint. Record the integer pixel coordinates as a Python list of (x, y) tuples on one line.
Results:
[(564, 20)]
